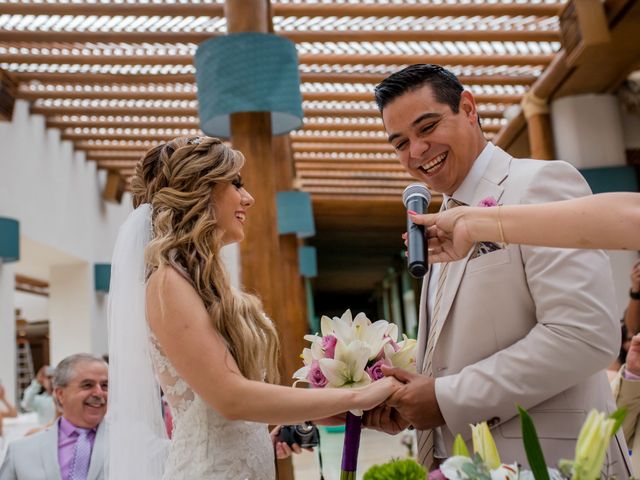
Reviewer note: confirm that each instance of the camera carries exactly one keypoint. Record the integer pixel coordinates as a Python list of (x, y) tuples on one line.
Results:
[(306, 435)]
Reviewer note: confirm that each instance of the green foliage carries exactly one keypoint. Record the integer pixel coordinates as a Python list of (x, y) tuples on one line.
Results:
[(407, 469), (477, 469), (532, 446), (618, 416), (460, 448)]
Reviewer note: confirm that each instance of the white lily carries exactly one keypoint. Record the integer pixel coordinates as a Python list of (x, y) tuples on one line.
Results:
[(373, 334), (343, 327), (346, 369), (506, 472), (405, 357), (392, 331)]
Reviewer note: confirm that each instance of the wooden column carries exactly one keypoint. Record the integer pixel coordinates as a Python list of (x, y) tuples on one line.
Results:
[(261, 269), (536, 112), (295, 320)]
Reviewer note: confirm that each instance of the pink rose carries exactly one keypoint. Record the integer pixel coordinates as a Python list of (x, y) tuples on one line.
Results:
[(436, 475), (375, 370), (488, 202), (329, 345), (316, 377)]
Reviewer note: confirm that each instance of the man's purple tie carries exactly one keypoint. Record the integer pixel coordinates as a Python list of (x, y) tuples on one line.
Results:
[(81, 456)]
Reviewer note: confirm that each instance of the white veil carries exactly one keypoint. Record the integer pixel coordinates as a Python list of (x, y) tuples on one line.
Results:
[(137, 440)]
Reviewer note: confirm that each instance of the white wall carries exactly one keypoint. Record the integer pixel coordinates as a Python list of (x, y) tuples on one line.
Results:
[(54, 191)]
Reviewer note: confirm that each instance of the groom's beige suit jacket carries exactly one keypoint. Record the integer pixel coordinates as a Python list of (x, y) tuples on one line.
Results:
[(526, 325)]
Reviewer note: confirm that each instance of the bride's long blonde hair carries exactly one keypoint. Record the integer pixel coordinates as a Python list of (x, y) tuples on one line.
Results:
[(177, 179)]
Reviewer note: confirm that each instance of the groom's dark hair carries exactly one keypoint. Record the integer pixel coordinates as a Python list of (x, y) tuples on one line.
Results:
[(445, 85)]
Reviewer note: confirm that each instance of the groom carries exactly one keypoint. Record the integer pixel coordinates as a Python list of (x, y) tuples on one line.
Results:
[(508, 325)]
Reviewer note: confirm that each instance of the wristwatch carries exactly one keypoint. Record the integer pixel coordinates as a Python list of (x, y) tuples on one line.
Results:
[(634, 295)]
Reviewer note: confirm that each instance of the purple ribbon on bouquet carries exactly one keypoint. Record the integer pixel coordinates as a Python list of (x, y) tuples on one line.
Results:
[(353, 427)]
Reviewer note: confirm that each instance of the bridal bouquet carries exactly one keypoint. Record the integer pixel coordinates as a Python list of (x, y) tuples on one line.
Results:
[(485, 464), (349, 353)]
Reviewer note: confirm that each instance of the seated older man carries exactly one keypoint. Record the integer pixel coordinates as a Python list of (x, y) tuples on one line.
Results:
[(73, 447)]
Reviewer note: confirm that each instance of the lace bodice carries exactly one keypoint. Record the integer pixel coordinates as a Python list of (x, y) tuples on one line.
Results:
[(205, 445)]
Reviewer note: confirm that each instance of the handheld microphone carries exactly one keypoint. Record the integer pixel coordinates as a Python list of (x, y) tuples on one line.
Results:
[(416, 197)]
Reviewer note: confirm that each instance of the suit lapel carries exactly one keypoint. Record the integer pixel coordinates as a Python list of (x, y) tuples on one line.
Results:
[(490, 185), (49, 452), (97, 454), (423, 323)]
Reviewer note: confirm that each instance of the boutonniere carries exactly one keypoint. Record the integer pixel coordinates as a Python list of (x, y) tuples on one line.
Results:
[(488, 202), (483, 248)]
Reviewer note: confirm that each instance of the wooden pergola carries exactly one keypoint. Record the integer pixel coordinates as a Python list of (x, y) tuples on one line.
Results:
[(115, 77)]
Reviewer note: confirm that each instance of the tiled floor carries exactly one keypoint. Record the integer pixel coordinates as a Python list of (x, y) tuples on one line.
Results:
[(375, 448)]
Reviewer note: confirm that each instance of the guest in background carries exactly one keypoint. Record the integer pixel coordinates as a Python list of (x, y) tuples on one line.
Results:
[(613, 369), (7, 410), (626, 389), (632, 315), (73, 447), (37, 396)]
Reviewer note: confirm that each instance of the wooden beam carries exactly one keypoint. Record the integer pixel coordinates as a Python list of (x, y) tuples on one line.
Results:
[(135, 121), (168, 122), (349, 175), (109, 78), (305, 77), (329, 140), (113, 146), (32, 94), (304, 59), (284, 9), (128, 137), (365, 148), (390, 166), (40, 36), (31, 285), (369, 159)]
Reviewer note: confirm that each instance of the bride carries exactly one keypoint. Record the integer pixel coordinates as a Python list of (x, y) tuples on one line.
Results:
[(174, 316)]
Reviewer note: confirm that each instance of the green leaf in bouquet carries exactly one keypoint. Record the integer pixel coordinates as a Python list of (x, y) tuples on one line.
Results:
[(460, 448), (618, 416), (532, 446), (407, 469), (476, 470)]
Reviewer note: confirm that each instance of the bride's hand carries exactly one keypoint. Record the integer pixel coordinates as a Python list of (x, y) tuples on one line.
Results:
[(375, 393)]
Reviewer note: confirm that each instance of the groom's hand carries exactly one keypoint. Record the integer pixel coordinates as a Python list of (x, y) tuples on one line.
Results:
[(416, 399), (385, 419)]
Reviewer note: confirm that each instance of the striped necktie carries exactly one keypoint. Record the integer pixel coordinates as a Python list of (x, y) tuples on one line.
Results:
[(425, 438)]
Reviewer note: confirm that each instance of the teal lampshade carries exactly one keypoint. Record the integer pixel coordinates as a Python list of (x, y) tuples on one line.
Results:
[(9, 240), (102, 276), (295, 214), (248, 72), (308, 261), (611, 179)]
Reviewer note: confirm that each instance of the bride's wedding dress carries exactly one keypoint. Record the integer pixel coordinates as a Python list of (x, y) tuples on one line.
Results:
[(204, 444)]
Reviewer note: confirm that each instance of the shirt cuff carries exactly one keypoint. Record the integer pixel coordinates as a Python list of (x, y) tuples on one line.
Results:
[(627, 375)]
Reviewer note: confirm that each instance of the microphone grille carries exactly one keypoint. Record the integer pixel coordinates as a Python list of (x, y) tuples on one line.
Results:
[(416, 189)]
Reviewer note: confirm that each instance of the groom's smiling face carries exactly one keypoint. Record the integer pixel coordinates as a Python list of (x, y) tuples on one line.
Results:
[(434, 144)]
